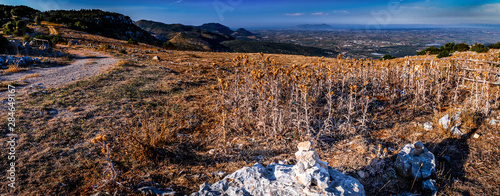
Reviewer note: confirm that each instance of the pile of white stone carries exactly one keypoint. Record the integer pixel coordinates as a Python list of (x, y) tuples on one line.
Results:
[(310, 176)]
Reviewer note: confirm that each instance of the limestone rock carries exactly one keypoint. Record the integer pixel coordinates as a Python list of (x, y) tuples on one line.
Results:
[(428, 126), (309, 170), (415, 162), (445, 121), (278, 179), (455, 130), (310, 176)]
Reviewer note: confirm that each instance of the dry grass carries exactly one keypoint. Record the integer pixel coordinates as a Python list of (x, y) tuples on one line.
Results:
[(12, 69), (164, 120)]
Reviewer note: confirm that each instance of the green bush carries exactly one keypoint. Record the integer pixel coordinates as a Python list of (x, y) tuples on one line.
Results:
[(479, 48), (132, 41), (58, 40), (27, 38), (494, 46), (123, 51), (430, 50), (443, 53), (38, 20), (387, 57), (461, 47)]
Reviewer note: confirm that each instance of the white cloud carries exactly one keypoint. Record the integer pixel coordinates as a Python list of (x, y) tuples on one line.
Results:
[(294, 14), (491, 8), (320, 14), (418, 7), (340, 12)]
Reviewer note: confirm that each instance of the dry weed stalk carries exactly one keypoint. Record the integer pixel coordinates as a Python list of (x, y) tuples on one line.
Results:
[(332, 96)]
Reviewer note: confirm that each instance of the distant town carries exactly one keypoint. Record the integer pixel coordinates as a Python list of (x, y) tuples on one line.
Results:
[(358, 43)]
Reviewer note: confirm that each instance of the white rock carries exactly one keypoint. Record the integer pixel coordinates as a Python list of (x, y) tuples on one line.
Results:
[(476, 135), (455, 130), (445, 121), (494, 122), (362, 174), (278, 179), (428, 126)]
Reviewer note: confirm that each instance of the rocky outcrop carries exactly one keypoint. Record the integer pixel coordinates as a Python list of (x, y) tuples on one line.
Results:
[(310, 176)]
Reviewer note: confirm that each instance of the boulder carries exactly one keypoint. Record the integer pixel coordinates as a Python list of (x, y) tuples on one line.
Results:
[(416, 163), (278, 179), (156, 58), (310, 176)]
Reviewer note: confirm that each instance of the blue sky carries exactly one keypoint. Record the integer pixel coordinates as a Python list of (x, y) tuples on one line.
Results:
[(283, 13)]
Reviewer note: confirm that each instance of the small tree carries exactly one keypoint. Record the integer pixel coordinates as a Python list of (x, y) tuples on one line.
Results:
[(132, 41), (443, 53), (494, 46), (21, 27), (479, 48), (169, 46), (38, 20), (461, 47)]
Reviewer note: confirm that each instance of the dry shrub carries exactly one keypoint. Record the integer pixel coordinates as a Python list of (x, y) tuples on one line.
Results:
[(12, 69), (332, 97)]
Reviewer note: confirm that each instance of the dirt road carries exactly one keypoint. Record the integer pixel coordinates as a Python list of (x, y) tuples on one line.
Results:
[(88, 63), (53, 30)]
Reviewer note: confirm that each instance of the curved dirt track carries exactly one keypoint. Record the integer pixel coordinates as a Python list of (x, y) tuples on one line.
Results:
[(87, 63)]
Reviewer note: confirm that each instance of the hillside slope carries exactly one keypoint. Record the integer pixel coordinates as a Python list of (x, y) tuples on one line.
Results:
[(107, 24)]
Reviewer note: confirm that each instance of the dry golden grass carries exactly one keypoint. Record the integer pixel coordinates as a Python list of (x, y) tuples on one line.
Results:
[(12, 69)]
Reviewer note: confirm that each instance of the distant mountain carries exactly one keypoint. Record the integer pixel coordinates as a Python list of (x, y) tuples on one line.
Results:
[(313, 27), (209, 38), (242, 32), (186, 37), (108, 24), (216, 28)]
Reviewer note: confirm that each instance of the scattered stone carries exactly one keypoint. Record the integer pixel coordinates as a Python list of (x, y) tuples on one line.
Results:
[(309, 170), (429, 187), (475, 136), (219, 174), (147, 190), (211, 151), (259, 158), (282, 179), (494, 122), (362, 174), (445, 121), (456, 131), (73, 42), (428, 126), (156, 58)]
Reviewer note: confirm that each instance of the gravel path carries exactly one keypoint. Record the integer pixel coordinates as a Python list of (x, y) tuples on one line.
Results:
[(87, 63)]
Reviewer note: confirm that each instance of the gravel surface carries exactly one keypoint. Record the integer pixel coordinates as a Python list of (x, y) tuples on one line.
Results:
[(87, 63)]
